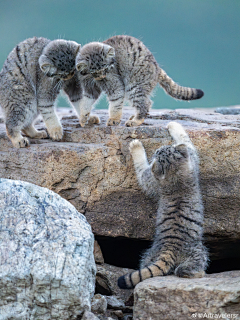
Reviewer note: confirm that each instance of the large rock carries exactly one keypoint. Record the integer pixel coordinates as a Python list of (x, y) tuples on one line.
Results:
[(92, 168), (47, 268), (215, 296)]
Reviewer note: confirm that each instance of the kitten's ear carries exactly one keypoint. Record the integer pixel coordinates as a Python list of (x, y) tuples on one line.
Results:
[(81, 65), (110, 51), (74, 45), (182, 148), (78, 49), (46, 65), (156, 170)]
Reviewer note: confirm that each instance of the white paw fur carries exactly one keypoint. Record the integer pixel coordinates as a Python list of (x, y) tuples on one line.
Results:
[(20, 142), (56, 133), (132, 122), (134, 145)]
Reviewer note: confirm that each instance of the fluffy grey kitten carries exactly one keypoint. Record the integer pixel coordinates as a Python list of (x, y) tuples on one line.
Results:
[(30, 80), (172, 178), (124, 69)]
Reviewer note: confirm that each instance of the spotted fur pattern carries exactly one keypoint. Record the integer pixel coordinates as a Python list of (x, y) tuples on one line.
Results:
[(30, 80), (124, 69), (172, 178)]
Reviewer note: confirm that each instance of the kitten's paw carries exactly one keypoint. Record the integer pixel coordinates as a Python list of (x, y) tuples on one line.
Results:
[(113, 122), (41, 134), (135, 146), (175, 128), (132, 122), (20, 143), (84, 119), (93, 120), (56, 133)]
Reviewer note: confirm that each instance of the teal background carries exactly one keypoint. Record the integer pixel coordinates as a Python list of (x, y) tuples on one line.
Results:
[(196, 42)]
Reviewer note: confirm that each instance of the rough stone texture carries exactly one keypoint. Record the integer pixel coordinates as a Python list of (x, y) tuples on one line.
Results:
[(171, 298), (92, 168), (47, 268), (228, 110), (98, 256), (89, 316), (106, 281), (114, 302), (99, 304)]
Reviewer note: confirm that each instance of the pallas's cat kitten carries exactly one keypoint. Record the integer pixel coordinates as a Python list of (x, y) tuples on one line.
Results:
[(172, 179), (30, 80), (124, 69)]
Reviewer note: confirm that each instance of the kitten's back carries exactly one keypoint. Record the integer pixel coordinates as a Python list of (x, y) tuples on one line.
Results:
[(134, 59), (22, 62)]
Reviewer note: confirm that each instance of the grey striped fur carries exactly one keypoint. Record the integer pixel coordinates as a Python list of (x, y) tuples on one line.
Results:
[(172, 178), (124, 69), (30, 80)]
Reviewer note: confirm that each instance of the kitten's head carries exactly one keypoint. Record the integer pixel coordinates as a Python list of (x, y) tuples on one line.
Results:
[(58, 59), (95, 59), (169, 161)]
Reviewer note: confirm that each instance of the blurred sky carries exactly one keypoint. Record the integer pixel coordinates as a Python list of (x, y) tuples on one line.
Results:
[(196, 42)]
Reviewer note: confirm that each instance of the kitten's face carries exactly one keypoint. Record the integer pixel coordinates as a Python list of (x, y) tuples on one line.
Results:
[(169, 160), (95, 59), (58, 59)]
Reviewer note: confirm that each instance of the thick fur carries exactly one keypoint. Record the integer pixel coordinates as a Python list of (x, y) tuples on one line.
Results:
[(30, 80), (172, 178), (124, 69)]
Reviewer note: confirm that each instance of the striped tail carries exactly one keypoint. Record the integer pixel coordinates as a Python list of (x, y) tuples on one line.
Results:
[(176, 91), (161, 267)]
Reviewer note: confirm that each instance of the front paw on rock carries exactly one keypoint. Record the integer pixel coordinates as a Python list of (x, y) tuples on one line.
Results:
[(113, 122), (56, 134), (84, 119), (21, 143), (93, 120), (133, 123)]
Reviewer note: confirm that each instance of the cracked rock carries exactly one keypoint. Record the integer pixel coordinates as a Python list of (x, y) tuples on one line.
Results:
[(179, 298), (114, 302), (99, 304), (98, 256), (47, 268)]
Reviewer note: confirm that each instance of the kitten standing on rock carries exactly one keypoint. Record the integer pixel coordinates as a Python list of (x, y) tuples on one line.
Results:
[(171, 178), (31, 78), (124, 69)]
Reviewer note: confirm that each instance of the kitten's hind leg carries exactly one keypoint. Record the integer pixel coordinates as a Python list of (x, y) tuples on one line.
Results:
[(16, 119), (142, 104), (31, 132), (195, 264), (52, 122)]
